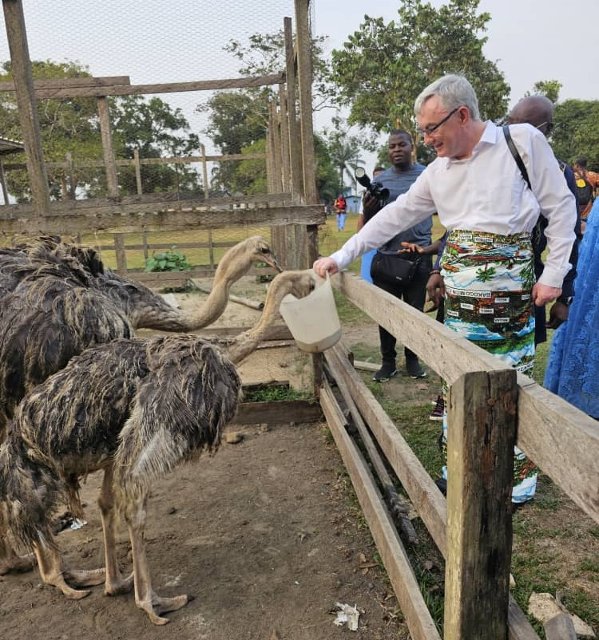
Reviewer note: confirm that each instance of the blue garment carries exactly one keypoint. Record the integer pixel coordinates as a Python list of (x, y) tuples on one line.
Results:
[(573, 366)]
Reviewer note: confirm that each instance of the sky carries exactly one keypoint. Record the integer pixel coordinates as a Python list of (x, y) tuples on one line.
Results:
[(182, 40)]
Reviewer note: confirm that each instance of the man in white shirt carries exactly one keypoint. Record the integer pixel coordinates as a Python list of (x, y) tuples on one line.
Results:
[(489, 211)]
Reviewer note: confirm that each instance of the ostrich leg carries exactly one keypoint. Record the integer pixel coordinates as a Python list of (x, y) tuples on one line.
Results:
[(10, 562), (49, 563), (115, 583), (145, 598)]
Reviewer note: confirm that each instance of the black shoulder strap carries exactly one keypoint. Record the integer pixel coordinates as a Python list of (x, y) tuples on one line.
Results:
[(514, 152)]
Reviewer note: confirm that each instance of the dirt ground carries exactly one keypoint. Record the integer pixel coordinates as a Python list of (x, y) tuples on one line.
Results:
[(265, 535)]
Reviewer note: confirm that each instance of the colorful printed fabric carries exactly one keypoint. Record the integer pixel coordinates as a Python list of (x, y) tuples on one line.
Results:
[(488, 283)]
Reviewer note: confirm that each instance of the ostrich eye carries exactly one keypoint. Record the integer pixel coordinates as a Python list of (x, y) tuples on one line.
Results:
[(265, 250)]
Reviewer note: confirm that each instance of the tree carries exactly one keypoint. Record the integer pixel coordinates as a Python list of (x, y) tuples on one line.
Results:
[(71, 126), (238, 119), (548, 88), (156, 130), (382, 68), (66, 126), (344, 150), (576, 131)]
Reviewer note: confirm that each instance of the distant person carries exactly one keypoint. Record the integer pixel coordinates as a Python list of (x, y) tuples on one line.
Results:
[(369, 255), (483, 201), (412, 287), (573, 365), (341, 211)]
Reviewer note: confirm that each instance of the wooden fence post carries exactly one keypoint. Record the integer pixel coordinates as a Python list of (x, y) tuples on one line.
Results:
[(16, 33), (137, 171), (121, 254), (112, 181), (480, 451)]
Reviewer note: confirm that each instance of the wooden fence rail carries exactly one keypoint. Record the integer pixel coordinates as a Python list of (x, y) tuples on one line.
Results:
[(489, 408)]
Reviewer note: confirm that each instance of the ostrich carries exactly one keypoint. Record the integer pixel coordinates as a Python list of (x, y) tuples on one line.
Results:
[(64, 302), (134, 408), (143, 307)]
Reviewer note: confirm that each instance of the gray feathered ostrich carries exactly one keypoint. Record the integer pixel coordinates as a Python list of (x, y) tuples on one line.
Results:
[(143, 307), (63, 301), (135, 408)]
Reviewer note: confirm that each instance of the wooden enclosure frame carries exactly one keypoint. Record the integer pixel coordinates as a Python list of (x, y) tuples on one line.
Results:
[(290, 207)]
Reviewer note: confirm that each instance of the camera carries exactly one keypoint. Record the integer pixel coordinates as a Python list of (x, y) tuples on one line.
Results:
[(376, 189)]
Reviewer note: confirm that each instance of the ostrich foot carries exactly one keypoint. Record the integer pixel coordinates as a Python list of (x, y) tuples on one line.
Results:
[(118, 586), (160, 605), (17, 564), (85, 578)]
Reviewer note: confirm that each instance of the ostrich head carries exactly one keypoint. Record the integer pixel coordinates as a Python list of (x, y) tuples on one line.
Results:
[(298, 283), (239, 259)]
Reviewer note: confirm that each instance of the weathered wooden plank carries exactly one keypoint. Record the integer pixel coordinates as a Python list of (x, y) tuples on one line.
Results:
[(519, 626), (546, 423), (242, 202), (560, 627), (389, 545), (59, 83), (120, 218), (169, 87), (112, 183), (26, 102), (421, 489), (278, 412), (400, 506), (136, 162), (480, 449)]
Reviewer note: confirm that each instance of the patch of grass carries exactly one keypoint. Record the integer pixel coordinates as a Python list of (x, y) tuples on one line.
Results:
[(348, 313), (272, 394)]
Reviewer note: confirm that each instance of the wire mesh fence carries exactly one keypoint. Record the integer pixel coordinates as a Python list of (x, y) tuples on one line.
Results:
[(144, 98)]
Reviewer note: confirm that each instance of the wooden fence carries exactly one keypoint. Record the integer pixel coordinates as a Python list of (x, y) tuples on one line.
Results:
[(490, 409)]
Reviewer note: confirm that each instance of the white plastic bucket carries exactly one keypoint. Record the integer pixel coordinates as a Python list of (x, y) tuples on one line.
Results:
[(313, 320)]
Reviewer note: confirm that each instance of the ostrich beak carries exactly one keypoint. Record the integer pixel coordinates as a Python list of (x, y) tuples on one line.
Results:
[(270, 260)]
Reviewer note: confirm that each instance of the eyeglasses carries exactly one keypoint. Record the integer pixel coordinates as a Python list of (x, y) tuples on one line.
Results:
[(428, 131)]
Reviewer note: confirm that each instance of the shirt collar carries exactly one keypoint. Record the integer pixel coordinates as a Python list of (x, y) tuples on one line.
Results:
[(490, 135)]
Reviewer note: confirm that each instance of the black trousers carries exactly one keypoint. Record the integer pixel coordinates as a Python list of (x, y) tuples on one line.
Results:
[(413, 294)]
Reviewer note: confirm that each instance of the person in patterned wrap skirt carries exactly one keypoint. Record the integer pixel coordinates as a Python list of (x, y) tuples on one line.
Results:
[(483, 201)]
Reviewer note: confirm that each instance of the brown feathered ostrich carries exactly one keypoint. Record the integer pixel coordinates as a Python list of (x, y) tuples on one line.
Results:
[(135, 408), (64, 301)]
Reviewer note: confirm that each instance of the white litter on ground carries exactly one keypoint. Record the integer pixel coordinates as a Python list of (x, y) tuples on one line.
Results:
[(347, 615)]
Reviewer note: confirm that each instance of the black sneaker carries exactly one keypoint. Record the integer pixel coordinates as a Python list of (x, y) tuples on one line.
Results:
[(414, 369), (386, 372), (439, 410)]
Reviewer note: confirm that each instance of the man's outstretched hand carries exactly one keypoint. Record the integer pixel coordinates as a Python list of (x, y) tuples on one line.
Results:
[(322, 266)]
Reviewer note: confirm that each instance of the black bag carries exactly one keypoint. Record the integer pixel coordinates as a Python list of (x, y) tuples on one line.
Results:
[(393, 269)]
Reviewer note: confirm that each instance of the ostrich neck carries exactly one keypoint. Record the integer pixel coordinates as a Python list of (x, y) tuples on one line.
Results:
[(245, 343), (211, 309)]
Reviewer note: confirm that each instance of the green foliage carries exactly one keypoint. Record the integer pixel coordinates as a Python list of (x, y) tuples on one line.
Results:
[(576, 131), (170, 260), (238, 119), (71, 126), (548, 88), (156, 130), (276, 393), (382, 68), (66, 126)]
